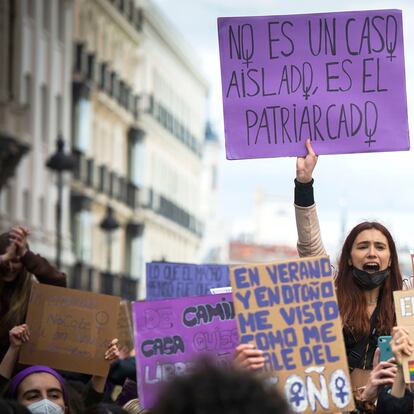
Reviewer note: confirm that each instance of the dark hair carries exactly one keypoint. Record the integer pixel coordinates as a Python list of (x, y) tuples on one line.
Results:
[(12, 407), (351, 299), (104, 408), (14, 296), (76, 395), (4, 242), (210, 389)]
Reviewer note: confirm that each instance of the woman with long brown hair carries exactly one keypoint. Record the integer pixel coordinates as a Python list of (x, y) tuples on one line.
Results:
[(367, 274), (19, 268), (358, 297)]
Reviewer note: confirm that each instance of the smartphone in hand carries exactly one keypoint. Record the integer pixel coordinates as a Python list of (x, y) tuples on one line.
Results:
[(385, 349)]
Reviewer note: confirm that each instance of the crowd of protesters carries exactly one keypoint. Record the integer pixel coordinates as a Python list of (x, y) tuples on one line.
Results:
[(365, 279), (40, 388)]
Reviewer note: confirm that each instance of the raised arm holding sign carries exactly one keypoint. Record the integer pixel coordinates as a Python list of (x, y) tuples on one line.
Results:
[(31, 392), (367, 274), (399, 398)]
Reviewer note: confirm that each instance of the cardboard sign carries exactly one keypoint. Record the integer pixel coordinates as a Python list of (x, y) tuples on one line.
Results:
[(124, 328), (289, 310), (336, 78), (404, 310), (174, 280), (170, 334), (70, 329), (412, 264)]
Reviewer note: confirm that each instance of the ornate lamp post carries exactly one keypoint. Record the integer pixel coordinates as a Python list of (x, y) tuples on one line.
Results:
[(59, 162), (109, 224)]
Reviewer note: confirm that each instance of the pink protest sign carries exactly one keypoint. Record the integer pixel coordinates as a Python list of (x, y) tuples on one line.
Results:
[(170, 334), (336, 78)]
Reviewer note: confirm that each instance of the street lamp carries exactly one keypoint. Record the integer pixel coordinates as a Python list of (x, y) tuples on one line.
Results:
[(109, 224), (59, 162)]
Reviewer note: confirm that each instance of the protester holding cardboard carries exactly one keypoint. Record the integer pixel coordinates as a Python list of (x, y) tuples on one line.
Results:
[(45, 386), (367, 274), (397, 398), (19, 268)]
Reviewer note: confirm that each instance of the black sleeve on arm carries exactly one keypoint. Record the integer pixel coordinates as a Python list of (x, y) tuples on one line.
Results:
[(304, 194), (91, 396), (388, 404), (4, 386)]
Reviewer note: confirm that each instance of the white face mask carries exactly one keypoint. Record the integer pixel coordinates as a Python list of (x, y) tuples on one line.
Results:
[(45, 407)]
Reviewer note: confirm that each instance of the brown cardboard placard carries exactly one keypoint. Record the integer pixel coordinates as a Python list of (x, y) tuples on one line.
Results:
[(408, 362), (412, 265), (70, 329), (404, 307), (404, 311), (289, 310), (124, 327)]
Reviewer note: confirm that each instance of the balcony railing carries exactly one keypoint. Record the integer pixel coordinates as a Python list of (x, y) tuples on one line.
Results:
[(114, 186), (108, 286), (85, 277), (100, 178), (168, 121), (133, 14), (99, 74), (90, 172), (129, 288), (173, 212), (132, 195)]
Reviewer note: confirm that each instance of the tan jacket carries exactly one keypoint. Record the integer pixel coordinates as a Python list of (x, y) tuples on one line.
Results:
[(309, 233)]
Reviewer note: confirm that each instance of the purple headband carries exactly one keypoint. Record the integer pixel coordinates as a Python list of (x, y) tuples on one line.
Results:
[(19, 377)]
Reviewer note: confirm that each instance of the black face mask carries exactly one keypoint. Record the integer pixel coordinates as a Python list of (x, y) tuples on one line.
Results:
[(369, 281)]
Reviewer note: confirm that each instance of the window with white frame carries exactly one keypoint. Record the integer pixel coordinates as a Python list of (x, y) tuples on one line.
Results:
[(45, 112), (42, 212), (83, 236), (28, 96), (26, 206), (59, 115), (83, 124)]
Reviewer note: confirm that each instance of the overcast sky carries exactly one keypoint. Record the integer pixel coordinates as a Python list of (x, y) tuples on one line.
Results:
[(372, 186)]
